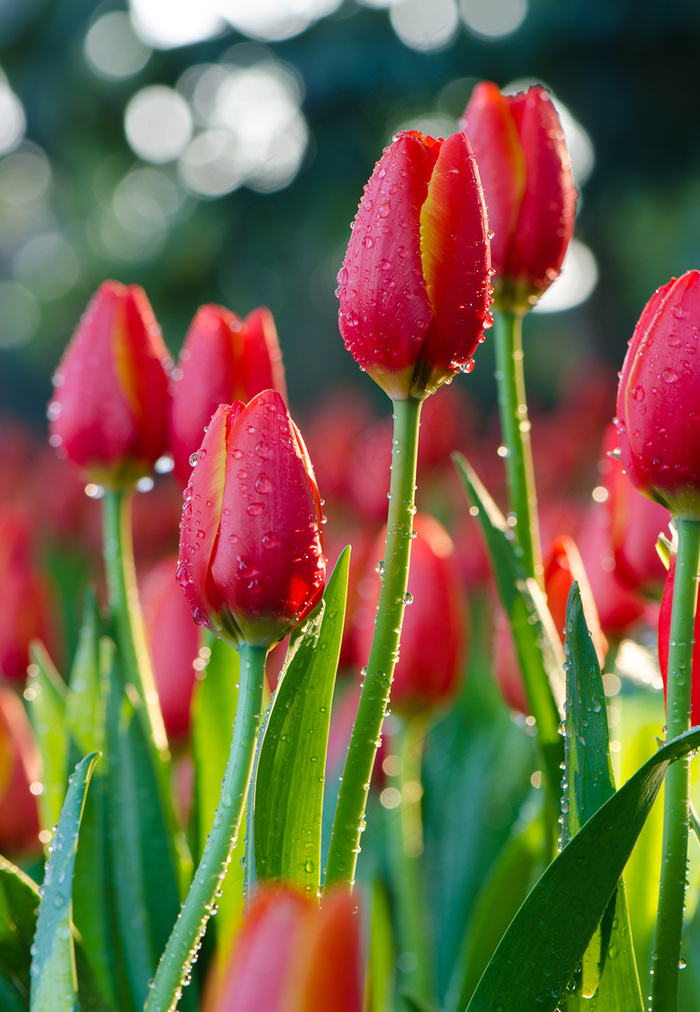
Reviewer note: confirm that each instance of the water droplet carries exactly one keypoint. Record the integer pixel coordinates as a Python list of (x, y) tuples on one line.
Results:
[(254, 509)]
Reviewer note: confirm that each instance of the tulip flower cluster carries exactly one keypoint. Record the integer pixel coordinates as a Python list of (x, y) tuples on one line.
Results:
[(462, 796)]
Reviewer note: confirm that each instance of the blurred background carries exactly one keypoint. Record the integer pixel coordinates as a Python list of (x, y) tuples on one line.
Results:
[(215, 151)]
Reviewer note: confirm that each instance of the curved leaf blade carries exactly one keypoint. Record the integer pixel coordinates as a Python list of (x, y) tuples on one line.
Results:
[(291, 769), (53, 973), (603, 983), (536, 640), (552, 929)]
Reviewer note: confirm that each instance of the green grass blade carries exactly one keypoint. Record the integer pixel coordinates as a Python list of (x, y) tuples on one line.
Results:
[(141, 855), (53, 972), (602, 983), (552, 929), (46, 693), (291, 769), (536, 640), (19, 901), (213, 713)]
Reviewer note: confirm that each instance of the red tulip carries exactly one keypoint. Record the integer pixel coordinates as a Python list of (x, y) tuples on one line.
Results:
[(251, 555), (292, 957), (524, 168), (174, 641), (109, 412), (664, 642), (414, 287), (20, 766), (658, 400), (26, 610), (433, 634), (635, 525), (223, 359)]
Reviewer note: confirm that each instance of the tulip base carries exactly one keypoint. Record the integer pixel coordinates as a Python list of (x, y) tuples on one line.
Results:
[(183, 945), (669, 924)]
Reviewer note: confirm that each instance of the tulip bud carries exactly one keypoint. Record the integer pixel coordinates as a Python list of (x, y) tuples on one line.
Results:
[(524, 169), (425, 674), (658, 399), (223, 359), (109, 412), (292, 957), (664, 643), (251, 555), (414, 286)]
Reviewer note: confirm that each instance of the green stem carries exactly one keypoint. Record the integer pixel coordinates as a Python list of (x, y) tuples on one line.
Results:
[(366, 735), (126, 610), (406, 827), (182, 947), (669, 923), (515, 430)]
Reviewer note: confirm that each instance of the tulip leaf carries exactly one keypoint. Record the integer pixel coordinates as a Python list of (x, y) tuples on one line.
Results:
[(291, 768), (504, 889), (53, 971), (536, 640), (46, 692), (85, 702), (141, 856), (93, 891), (19, 900), (213, 713), (551, 931), (601, 982)]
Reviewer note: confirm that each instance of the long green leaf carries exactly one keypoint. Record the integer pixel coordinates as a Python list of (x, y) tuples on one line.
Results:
[(141, 858), (19, 900), (85, 702), (53, 973), (213, 713), (536, 640), (291, 769), (503, 892), (603, 983), (46, 692), (93, 886), (552, 929)]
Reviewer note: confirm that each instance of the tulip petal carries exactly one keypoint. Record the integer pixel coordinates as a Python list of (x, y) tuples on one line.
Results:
[(260, 357), (491, 132), (548, 208), (268, 565), (207, 368), (456, 258), (384, 308), (657, 407), (201, 517)]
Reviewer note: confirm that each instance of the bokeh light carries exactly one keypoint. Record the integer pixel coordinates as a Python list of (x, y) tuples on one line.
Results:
[(19, 315), (275, 20), (158, 124), (12, 121), (578, 278), (47, 265), (425, 26), (168, 23), (254, 132), (493, 19), (112, 49)]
